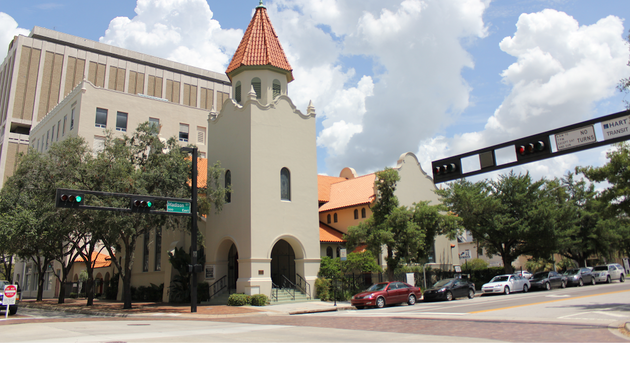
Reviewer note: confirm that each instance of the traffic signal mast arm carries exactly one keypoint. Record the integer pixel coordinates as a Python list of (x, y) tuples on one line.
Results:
[(568, 139), (74, 198)]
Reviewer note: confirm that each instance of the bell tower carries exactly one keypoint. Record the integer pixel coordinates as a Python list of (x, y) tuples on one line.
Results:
[(259, 62), (268, 230)]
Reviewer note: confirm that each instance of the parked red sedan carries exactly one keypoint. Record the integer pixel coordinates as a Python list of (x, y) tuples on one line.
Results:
[(382, 294)]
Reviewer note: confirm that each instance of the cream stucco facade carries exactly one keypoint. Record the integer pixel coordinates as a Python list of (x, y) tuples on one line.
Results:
[(255, 142)]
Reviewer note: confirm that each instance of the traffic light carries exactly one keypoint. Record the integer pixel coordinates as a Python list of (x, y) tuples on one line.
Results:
[(448, 170), (533, 148), (69, 199), (141, 205)]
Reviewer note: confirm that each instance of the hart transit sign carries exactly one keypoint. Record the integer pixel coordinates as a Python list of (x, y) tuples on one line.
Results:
[(616, 128)]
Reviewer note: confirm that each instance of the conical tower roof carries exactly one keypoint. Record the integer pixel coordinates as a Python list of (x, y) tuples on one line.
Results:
[(260, 47)]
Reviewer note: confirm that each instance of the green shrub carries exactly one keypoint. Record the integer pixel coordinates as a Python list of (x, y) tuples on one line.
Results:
[(238, 299), (322, 289), (73, 295), (259, 300), (151, 293)]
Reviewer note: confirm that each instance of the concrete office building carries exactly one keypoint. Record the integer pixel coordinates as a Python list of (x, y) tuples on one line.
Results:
[(42, 69)]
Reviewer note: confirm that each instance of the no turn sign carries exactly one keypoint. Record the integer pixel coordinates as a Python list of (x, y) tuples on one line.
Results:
[(10, 292)]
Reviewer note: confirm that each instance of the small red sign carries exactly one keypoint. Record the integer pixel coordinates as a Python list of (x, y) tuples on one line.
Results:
[(10, 291)]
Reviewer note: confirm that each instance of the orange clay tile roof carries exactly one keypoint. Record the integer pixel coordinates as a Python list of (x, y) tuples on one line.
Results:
[(260, 46), (329, 235), (100, 260), (351, 192), (202, 173), (323, 186)]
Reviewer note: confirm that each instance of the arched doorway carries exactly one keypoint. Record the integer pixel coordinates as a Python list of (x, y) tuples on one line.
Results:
[(232, 267), (282, 263)]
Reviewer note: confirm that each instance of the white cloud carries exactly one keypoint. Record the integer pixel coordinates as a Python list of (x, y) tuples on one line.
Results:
[(178, 30), (410, 87), (8, 30)]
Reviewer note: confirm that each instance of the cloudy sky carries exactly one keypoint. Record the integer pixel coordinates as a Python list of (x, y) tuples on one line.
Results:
[(432, 77)]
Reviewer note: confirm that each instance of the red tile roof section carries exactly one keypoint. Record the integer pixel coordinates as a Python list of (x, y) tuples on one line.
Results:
[(260, 46), (100, 260), (351, 192), (323, 186), (329, 235)]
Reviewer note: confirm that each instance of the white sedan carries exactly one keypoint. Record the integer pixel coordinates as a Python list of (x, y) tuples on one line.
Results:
[(506, 284)]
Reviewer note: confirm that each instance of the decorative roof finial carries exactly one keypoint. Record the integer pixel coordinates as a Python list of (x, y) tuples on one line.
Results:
[(260, 4)]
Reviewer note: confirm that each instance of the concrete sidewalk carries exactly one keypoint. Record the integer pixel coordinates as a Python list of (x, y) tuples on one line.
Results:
[(115, 308)]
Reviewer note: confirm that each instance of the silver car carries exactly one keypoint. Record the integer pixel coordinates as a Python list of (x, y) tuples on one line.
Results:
[(609, 272), (506, 284)]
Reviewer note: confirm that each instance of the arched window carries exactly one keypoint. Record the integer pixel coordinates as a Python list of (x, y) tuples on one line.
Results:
[(329, 252), (285, 184), (256, 85), (228, 184), (363, 213), (328, 219), (335, 217), (237, 92), (356, 214), (277, 89), (338, 251)]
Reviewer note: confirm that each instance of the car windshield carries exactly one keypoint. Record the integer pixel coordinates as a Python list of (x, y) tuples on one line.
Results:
[(601, 268), (377, 287), (500, 278), (572, 272), (540, 275), (442, 283), (3, 284)]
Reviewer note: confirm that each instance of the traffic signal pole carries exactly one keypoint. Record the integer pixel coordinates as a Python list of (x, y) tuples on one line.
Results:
[(193, 228)]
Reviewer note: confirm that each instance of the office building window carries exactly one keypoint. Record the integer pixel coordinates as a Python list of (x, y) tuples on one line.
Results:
[(228, 184), (363, 213), (101, 118), (356, 214), (183, 132), (72, 119), (335, 217), (65, 119), (154, 122), (121, 121)]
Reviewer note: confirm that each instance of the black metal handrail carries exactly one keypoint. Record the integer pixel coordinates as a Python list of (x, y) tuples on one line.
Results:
[(274, 291), (217, 287), (303, 286), (287, 285)]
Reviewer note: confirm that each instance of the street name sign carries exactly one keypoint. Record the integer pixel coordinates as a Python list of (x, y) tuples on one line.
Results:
[(177, 206), (575, 138)]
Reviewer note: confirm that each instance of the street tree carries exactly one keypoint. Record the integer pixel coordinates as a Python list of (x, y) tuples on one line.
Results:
[(624, 84), (585, 229), (511, 216)]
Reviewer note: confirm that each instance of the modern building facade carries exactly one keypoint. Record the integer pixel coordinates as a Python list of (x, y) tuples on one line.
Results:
[(42, 69)]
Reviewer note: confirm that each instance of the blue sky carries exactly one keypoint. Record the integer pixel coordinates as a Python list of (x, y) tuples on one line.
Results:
[(432, 77)]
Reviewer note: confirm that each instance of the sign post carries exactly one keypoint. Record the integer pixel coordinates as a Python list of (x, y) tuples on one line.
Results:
[(8, 298)]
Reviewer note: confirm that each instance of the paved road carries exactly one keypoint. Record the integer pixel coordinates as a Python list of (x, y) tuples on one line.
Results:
[(585, 315)]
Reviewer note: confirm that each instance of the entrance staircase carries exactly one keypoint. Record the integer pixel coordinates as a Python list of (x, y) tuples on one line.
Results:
[(286, 296)]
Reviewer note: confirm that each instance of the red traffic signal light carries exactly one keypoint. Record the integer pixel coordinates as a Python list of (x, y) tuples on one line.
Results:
[(529, 148)]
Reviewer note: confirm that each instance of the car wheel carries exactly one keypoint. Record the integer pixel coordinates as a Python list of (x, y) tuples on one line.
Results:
[(608, 279), (380, 302), (581, 283), (593, 282), (622, 278), (471, 293), (564, 284), (548, 286), (449, 296), (506, 290), (12, 311), (525, 288), (359, 307), (411, 300)]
